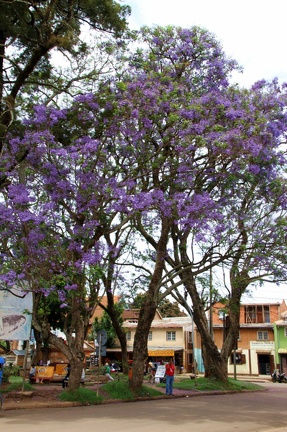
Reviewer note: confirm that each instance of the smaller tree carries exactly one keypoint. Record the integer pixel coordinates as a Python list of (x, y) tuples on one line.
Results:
[(105, 323)]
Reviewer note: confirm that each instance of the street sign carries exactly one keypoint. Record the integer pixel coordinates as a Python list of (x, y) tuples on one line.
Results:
[(101, 353), (102, 336)]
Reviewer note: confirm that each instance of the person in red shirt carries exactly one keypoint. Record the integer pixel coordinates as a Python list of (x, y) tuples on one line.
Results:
[(169, 377)]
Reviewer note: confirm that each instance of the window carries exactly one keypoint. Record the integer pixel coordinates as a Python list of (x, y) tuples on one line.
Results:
[(250, 314), (150, 336), (170, 336), (128, 335), (266, 314), (221, 314), (239, 336), (257, 314), (285, 331), (262, 335), (240, 358)]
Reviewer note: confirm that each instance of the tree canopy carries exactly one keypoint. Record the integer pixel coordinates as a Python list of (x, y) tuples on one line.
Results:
[(29, 32), (169, 150)]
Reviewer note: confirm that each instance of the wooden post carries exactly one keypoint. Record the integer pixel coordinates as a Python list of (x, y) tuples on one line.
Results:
[(99, 364), (25, 364)]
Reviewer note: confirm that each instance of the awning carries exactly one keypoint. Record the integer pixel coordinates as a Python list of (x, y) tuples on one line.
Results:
[(162, 352), (282, 351)]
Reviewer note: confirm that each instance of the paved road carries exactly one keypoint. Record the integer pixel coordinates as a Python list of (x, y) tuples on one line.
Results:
[(245, 412)]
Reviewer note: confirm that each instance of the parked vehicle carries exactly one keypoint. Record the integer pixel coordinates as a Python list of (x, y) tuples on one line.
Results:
[(278, 377)]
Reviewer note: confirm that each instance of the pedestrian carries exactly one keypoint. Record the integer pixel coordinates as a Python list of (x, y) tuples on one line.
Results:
[(66, 379), (169, 377), (32, 373), (107, 372), (115, 368), (151, 373)]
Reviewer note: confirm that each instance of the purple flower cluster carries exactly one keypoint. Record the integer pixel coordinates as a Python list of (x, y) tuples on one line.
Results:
[(173, 141)]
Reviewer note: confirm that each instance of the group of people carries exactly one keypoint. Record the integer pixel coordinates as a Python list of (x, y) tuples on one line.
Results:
[(32, 375), (33, 370), (169, 376)]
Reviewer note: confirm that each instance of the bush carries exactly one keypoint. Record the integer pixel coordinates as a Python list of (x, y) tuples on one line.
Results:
[(82, 395), (10, 370)]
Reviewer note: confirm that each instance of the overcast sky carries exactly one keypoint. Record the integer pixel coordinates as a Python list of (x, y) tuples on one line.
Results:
[(251, 31)]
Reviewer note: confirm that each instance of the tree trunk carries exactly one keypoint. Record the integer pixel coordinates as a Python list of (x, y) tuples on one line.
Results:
[(148, 310), (38, 340), (117, 322), (73, 350), (140, 353), (215, 364)]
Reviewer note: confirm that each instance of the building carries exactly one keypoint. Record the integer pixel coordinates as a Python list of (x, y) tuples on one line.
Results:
[(168, 337), (256, 350), (280, 334)]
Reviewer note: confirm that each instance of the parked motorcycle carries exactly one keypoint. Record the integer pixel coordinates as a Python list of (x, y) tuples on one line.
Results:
[(278, 377)]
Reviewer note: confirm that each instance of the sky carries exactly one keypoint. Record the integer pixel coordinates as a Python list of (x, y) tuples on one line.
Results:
[(253, 32)]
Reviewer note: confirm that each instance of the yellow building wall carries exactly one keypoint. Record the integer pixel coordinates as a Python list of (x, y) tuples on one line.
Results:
[(159, 338)]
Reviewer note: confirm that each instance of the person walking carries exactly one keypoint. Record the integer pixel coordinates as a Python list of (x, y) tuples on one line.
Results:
[(108, 372), (169, 377), (151, 373)]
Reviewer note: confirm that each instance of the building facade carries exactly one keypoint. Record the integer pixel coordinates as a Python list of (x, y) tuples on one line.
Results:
[(168, 337), (256, 345), (280, 334)]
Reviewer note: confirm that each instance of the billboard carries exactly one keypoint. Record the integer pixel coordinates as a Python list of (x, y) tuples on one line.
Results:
[(15, 314)]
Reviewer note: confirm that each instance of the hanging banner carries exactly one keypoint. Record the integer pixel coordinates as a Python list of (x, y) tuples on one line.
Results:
[(15, 314)]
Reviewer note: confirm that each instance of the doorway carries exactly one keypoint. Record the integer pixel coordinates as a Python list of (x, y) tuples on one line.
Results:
[(264, 364)]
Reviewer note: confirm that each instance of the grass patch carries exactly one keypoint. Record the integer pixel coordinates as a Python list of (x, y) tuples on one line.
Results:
[(120, 390), (15, 384), (82, 395), (209, 384)]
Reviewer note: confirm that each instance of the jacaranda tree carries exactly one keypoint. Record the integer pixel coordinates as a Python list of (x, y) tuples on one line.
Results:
[(215, 157), (170, 147)]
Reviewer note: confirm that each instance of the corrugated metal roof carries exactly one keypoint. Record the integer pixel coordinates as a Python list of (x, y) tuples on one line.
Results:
[(260, 301), (17, 352)]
